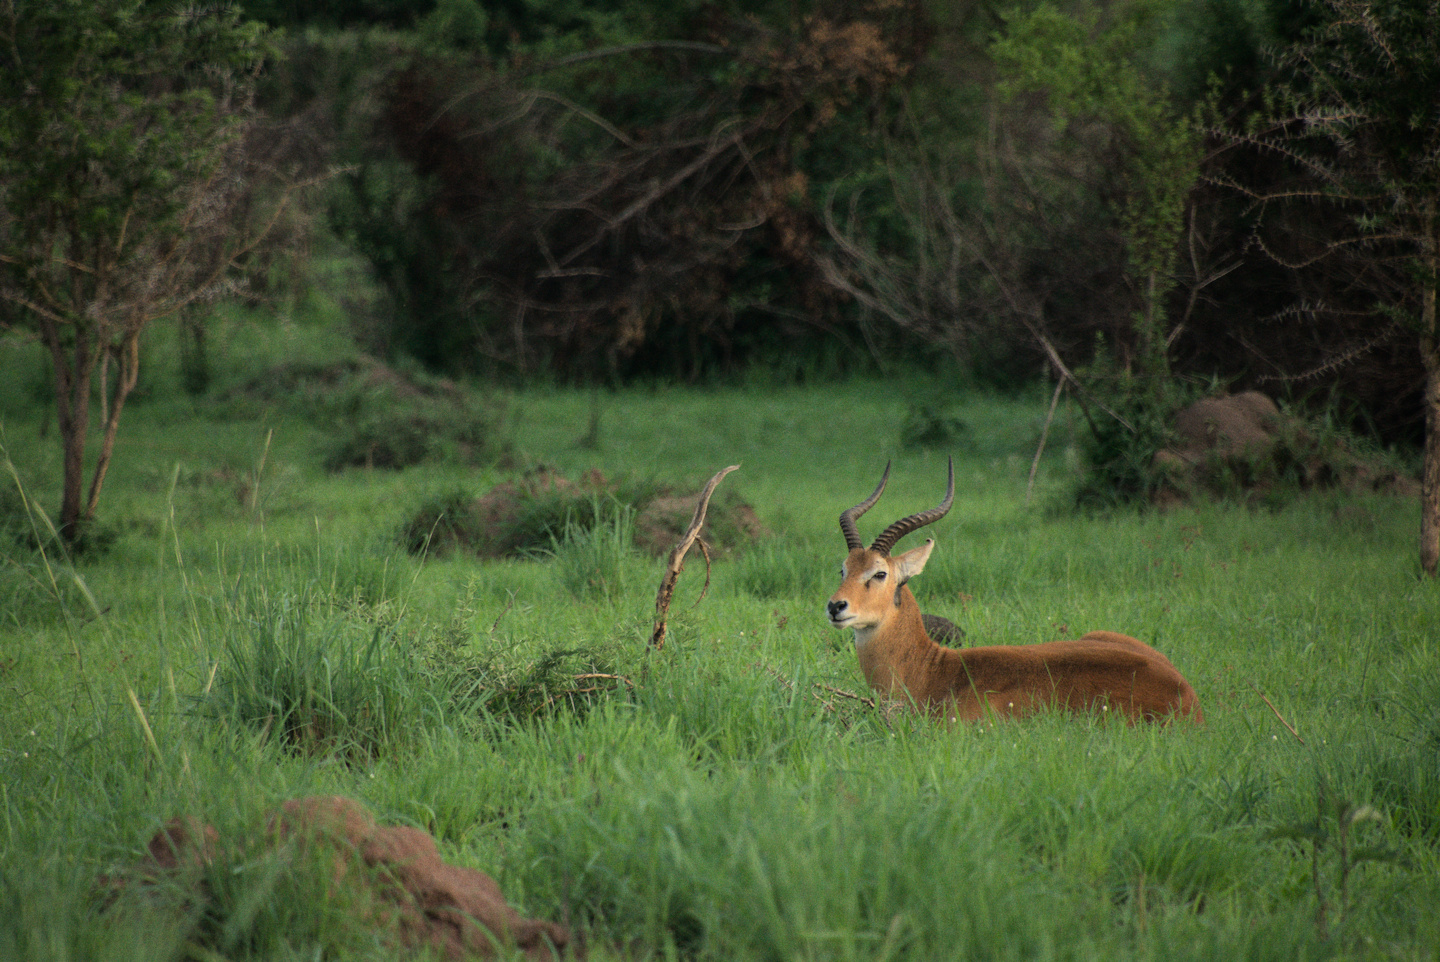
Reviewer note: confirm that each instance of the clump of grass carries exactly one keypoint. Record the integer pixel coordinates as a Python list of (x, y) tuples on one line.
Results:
[(795, 873), (483, 677), (443, 523), (37, 577), (266, 903), (550, 514), (25, 528), (357, 578), (48, 912), (388, 431), (594, 554), (501, 685), (521, 518), (1399, 758), (320, 684), (18, 528), (1337, 842), (571, 680), (930, 426)]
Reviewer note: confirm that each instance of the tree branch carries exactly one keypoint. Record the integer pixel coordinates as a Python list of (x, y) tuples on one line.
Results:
[(676, 564)]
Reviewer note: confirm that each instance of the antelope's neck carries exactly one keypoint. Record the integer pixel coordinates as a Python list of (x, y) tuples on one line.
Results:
[(895, 653)]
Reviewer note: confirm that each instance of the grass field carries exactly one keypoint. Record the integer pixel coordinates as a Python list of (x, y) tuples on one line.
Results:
[(722, 801)]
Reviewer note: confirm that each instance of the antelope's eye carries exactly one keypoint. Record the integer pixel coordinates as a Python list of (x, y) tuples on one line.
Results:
[(879, 575)]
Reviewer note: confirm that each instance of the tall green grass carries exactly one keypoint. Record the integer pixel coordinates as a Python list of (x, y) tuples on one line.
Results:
[(595, 557), (317, 682), (727, 797)]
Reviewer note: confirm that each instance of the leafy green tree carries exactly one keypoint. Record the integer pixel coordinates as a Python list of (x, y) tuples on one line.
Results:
[(1092, 75), (1360, 119), (122, 123)]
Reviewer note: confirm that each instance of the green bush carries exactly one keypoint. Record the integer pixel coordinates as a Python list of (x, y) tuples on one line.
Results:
[(387, 432), (1120, 458), (930, 426), (545, 517)]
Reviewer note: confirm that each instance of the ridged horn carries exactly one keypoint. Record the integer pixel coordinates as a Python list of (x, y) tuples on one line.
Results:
[(847, 517), (904, 526)]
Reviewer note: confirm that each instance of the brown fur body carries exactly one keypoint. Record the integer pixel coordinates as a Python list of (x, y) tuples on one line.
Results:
[(1102, 672)]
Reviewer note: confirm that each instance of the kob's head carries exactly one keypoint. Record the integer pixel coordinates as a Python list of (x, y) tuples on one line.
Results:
[(871, 581)]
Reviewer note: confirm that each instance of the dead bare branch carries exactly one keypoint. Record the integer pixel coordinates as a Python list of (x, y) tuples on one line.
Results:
[(655, 193), (862, 699), (1288, 727), (1044, 434), (676, 562)]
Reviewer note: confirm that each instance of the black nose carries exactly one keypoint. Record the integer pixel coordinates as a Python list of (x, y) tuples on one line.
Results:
[(835, 607)]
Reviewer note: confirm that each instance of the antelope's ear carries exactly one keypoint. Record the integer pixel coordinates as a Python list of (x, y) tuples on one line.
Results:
[(912, 562)]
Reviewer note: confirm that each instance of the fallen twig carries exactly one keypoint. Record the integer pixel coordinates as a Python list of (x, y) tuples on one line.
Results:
[(1288, 727), (864, 700), (591, 690)]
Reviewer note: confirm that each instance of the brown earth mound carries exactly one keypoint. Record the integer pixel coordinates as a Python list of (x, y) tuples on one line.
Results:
[(294, 377), (663, 520), (1239, 425), (1245, 442), (518, 516), (426, 902)]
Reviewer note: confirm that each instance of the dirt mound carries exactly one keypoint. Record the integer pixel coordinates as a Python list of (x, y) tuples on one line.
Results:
[(728, 523), (1245, 443), (377, 416), (365, 372), (424, 901), (1240, 425), (520, 516)]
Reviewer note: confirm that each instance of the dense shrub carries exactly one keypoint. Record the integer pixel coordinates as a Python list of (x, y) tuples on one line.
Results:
[(382, 416), (930, 426)]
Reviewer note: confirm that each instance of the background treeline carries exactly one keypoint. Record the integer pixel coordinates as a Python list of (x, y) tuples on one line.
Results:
[(688, 190)]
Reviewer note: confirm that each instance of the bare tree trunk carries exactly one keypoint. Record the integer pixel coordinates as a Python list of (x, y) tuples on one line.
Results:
[(125, 380), (72, 409), (1430, 356), (104, 391), (1430, 478)]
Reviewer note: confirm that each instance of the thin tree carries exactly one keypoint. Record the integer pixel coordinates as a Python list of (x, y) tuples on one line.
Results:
[(123, 165)]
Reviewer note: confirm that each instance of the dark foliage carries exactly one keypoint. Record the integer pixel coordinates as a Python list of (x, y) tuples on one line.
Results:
[(1120, 455), (623, 190), (930, 426), (643, 207), (337, 13)]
